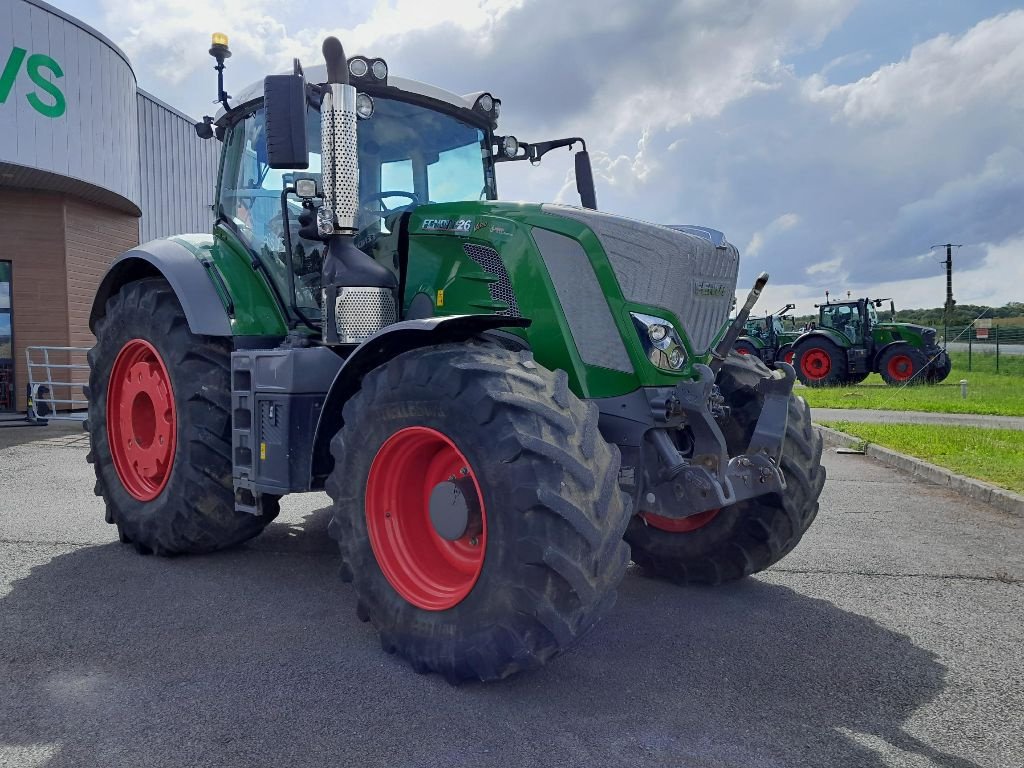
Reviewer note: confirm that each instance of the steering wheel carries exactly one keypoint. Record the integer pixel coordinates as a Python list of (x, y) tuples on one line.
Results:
[(378, 197)]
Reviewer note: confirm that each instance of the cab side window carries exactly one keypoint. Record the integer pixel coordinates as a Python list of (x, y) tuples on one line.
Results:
[(250, 192)]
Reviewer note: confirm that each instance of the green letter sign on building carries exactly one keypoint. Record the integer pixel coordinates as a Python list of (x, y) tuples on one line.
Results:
[(36, 63)]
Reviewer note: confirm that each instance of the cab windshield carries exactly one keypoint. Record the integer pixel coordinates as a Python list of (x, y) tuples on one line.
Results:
[(408, 155)]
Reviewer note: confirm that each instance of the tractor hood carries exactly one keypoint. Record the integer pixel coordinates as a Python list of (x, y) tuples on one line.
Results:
[(692, 274)]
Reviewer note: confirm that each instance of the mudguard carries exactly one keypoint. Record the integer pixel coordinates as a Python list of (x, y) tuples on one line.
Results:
[(203, 306), (834, 336), (381, 347)]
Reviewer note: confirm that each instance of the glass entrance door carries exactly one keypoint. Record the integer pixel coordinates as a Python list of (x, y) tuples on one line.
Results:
[(7, 390)]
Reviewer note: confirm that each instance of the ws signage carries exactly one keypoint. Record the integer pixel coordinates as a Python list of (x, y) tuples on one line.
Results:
[(47, 99)]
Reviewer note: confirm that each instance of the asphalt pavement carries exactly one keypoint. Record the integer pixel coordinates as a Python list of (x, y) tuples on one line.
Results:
[(892, 636), (916, 417)]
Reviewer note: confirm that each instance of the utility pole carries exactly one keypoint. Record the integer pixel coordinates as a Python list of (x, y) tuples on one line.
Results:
[(947, 315)]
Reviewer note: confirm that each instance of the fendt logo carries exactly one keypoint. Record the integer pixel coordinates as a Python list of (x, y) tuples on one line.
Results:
[(52, 103)]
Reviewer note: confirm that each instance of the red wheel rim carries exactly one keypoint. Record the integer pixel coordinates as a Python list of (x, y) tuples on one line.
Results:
[(788, 357), (743, 350), (141, 423), (900, 367), (815, 363), (680, 524), (427, 570)]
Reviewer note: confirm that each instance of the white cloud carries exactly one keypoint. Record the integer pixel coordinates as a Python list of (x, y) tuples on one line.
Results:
[(781, 224), (830, 267), (946, 74)]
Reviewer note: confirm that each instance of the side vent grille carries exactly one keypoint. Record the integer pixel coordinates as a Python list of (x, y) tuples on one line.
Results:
[(489, 261)]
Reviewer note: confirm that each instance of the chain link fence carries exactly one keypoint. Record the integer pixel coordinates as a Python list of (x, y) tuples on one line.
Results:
[(992, 350)]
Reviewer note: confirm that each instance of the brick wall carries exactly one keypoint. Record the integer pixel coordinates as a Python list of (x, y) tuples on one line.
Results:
[(59, 247)]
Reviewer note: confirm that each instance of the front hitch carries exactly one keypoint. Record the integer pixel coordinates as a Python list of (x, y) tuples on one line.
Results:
[(709, 478)]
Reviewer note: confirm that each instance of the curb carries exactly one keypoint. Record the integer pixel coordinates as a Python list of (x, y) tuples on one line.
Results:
[(1003, 500)]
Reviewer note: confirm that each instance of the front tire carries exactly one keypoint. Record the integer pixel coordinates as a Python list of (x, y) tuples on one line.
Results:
[(538, 562), (744, 347), (747, 537), (160, 427), (903, 365), (938, 373)]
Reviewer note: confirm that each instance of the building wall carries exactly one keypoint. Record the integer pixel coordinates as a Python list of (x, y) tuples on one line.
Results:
[(71, 109), (32, 238), (83, 153), (93, 236), (178, 171)]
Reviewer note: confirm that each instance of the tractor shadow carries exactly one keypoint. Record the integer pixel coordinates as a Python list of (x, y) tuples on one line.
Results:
[(255, 657)]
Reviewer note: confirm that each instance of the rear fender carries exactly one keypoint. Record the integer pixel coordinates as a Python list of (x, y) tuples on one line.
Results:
[(385, 345), (203, 306), (826, 334)]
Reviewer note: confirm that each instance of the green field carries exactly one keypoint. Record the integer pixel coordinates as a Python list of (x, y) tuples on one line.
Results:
[(988, 393), (993, 455)]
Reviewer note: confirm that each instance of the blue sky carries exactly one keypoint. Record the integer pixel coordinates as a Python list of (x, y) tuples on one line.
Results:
[(832, 140)]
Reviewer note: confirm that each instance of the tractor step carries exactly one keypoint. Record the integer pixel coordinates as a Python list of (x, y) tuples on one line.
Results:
[(276, 399)]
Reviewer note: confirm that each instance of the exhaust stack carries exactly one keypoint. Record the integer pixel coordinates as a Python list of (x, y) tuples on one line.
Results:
[(359, 295)]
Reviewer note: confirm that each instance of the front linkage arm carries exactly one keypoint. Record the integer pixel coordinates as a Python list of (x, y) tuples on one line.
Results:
[(709, 479)]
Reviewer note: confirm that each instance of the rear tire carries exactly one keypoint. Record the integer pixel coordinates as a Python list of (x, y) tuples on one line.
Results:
[(551, 521), (179, 498), (785, 354), (752, 535), (903, 365), (820, 363)]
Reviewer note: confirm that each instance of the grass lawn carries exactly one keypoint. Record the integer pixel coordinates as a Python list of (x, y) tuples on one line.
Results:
[(999, 394), (993, 455)]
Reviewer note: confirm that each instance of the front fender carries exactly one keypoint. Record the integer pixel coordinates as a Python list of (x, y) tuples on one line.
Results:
[(383, 346), (203, 306)]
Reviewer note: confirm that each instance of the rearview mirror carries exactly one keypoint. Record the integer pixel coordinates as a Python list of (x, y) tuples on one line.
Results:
[(284, 98), (585, 181)]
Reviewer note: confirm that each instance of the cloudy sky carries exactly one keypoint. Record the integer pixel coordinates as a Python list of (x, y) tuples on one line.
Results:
[(832, 140)]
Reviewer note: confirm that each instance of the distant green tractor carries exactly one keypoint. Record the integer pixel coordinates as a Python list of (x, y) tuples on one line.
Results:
[(849, 342), (767, 338)]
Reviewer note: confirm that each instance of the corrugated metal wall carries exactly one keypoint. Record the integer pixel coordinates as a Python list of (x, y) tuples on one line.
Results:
[(178, 172)]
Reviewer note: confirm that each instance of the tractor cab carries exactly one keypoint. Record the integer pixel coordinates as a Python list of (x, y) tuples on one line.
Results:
[(853, 319), (416, 144), (409, 154)]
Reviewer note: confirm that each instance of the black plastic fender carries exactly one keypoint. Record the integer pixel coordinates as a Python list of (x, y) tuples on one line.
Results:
[(203, 306), (381, 347), (844, 344)]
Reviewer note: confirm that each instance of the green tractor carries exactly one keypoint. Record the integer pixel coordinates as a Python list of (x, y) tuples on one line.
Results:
[(505, 402), (849, 342), (767, 338)]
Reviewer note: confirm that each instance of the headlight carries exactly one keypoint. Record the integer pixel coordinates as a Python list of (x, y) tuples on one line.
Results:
[(660, 340), (379, 69), (486, 102), (364, 105), (358, 66), (510, 146)]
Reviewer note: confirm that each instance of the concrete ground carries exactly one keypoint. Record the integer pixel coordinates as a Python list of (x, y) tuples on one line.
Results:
[(916, 417), (893, 636)]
